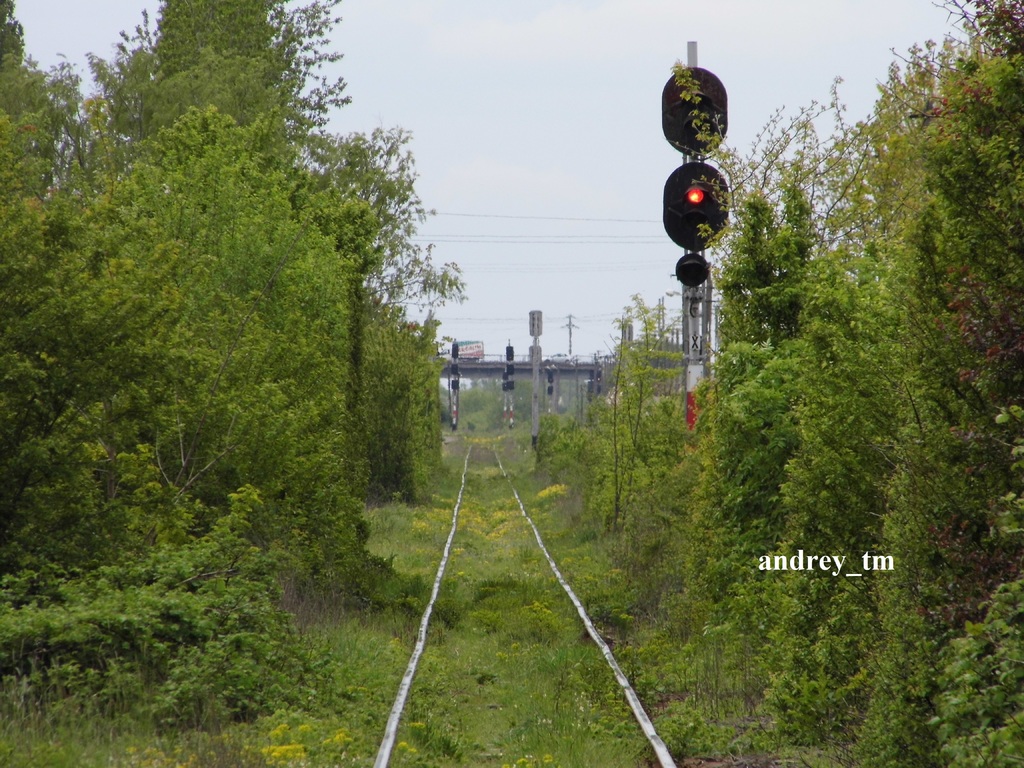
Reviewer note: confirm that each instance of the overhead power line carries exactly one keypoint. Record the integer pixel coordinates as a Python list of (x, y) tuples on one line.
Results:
[(457, 236), (543, 218), (534, 240), (499, 269)]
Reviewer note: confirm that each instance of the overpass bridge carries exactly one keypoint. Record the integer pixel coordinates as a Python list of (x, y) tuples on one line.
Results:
[(554, 370)]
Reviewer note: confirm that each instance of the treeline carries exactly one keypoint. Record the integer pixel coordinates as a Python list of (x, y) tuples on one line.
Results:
[(868, 397), (205, 366)]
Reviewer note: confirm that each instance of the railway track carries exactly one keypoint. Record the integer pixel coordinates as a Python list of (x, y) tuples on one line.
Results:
[(508, 669)]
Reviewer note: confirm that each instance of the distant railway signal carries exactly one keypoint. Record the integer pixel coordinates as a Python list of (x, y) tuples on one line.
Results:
[(453, 386), (508, 385)]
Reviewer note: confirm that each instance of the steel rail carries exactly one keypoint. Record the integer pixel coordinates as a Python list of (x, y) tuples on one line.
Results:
[(664, 756), (391, 729)]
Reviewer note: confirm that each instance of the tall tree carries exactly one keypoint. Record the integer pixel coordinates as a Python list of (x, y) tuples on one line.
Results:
[(379, 169), (12, 36), (763, 284), (951, 512), (247, 57)]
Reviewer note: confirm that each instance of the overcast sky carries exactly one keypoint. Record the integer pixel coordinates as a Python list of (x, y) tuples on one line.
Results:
[(536, 125)]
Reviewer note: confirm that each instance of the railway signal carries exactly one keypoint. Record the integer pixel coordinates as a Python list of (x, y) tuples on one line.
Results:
[(692, 269), (694, 113), (453, 386), (508, 385), (510, 366), (694, 119), (694, 205)]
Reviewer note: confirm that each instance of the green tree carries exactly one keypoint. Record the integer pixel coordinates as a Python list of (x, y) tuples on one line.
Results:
[(380, 170), (247, 57), (763, 284), (76, 326), (12, 36), (644, 371), (401, 408), (962, 283)]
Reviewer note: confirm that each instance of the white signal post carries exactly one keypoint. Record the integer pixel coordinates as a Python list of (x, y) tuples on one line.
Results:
[(696, 310), (536, 328)]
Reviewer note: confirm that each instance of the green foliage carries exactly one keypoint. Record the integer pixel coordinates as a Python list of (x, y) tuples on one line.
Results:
[(644, 376), (983, 688), (763, 283), (562, 450), (864, 400), (747, 436), (12, 36), (246, 57), (686, 730), (226, 310), (379, 169), (190, 636), (62, 346), (401, 408), (186, 339)]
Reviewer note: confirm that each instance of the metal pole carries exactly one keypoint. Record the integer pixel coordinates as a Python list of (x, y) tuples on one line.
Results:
[(708, 308), (536, 328), (693, 300), (535, 404)]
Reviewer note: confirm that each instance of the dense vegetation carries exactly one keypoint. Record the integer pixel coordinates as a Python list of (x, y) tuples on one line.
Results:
[(867, 398), (205, 367), (206, 373)]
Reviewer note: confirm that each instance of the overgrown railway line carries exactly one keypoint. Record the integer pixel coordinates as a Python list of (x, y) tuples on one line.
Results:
[(500, 673)]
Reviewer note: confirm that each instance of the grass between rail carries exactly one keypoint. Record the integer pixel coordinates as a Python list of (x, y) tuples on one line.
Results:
[(509, 676)]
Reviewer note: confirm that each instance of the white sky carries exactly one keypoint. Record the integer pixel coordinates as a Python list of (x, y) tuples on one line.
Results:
[(547, 113)]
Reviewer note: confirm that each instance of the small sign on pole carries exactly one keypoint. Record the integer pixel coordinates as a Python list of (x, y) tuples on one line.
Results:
[(536, 322)]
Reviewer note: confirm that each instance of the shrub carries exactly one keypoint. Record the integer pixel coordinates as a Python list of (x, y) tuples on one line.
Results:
[(981, 709), (189, 635)]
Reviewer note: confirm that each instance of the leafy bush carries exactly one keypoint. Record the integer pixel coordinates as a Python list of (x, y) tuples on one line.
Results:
[(686, 730), (189, 635), (981, 710)]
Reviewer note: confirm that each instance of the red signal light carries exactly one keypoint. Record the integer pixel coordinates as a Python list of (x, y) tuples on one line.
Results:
[(693, 210)]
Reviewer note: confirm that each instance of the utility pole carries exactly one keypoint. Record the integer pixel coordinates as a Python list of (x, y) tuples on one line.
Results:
[(570, 326)]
